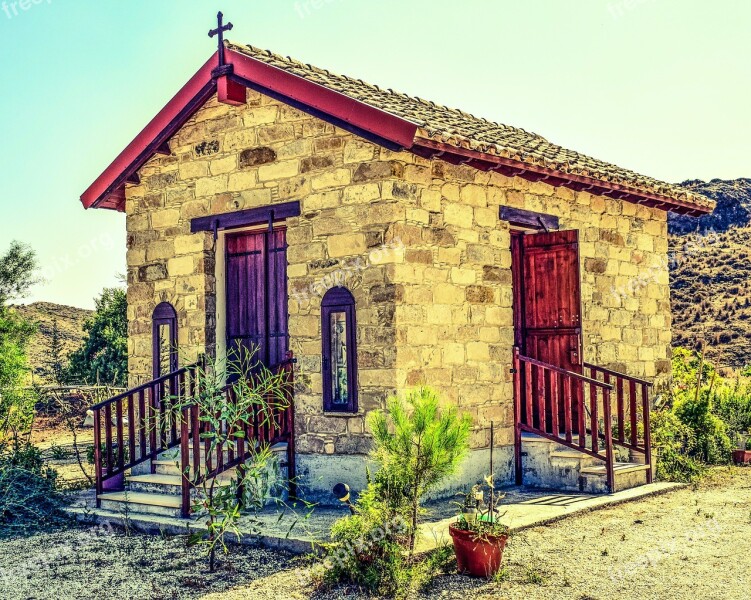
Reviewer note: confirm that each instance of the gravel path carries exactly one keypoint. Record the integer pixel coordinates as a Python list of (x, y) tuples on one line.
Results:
[(692, 543)]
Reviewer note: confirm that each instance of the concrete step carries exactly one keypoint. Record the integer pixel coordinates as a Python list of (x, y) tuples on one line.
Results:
[(618, 468), (573, 459), (626, 476), (172, 467), (167, 505), (550, 465), (160, 483)]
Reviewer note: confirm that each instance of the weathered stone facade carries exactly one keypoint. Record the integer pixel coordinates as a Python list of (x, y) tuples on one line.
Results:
[(419, 243)]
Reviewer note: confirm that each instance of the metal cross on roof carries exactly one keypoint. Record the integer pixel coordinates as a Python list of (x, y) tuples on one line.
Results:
[(220, 32)]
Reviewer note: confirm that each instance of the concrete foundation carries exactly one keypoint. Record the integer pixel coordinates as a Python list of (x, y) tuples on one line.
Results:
[(317, 474)]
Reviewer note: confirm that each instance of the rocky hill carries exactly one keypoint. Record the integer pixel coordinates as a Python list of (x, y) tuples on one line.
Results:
[(70, 322), (710, 275)]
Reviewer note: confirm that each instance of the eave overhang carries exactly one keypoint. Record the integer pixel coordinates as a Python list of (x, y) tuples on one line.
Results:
[(378, 126)]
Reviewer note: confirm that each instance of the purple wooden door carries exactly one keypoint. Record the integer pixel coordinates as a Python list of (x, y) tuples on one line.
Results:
[(257, 294)]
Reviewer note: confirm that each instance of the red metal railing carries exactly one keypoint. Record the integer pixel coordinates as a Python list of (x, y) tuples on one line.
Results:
[(590, 412), (632, 405), (148, 428), (270, 423), (151, 428), (552, 402)]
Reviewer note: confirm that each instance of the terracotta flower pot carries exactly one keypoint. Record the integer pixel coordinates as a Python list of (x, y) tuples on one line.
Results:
[(742, 457), (477, 556)]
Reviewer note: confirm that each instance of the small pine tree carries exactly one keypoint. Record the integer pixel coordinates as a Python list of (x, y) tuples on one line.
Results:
[(419, 444)]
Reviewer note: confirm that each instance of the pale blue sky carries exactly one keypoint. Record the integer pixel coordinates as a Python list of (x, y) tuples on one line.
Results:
[(659, 86)]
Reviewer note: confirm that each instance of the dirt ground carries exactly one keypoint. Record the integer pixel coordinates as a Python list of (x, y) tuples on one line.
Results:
[(56, 442), (691, 543)]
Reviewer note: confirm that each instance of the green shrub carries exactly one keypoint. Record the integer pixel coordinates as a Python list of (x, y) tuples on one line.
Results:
[(702, 420), (368, 547), (417, 445), (673, 441), (29, 498), (711, 443)]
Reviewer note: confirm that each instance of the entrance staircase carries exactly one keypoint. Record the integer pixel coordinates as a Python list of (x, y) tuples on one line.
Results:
[(151, 458), (156, 488), (586, 432), (548, 464)]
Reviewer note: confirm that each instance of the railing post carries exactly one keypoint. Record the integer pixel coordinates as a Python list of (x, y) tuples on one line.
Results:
[(609, 467), (153, 424), (120, 438), (108, 437), (647, 431), (516, 371), (291, 466), (131, 429), (185, 461), (98, 454)]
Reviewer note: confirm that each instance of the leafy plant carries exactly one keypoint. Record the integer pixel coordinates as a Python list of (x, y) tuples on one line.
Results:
[(485, 523), (702, 418), (417, 445), (18, 272), (103, 356), (28, 495), (254, 390), (16, 404)]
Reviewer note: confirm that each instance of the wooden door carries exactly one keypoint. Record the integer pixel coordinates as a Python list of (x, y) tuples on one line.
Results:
[(547, 301), (256, 266)]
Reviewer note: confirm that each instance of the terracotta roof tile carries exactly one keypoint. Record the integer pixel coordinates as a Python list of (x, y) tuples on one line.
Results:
[(460, 129)]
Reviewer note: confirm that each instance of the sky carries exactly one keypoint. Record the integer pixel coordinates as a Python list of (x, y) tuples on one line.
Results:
[(659, 86)]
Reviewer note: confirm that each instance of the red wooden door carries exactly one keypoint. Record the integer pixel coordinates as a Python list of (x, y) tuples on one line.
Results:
[(547, 302), (256, 266)]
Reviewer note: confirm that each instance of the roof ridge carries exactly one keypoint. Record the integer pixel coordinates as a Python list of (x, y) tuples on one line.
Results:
[(456, 127), (431, 103)]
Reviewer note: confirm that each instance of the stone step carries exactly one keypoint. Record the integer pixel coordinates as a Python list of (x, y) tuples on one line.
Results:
[(571, 454), (141, 502), (172, 467), (621, 467), (161, 483), (626, 476)]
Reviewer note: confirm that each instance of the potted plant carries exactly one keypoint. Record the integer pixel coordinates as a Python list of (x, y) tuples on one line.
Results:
[(468, 507), (742, 456), (479, 537)]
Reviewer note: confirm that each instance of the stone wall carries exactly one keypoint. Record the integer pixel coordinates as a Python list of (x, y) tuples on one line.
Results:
[(231, 158), (455, 322), (418, 242)]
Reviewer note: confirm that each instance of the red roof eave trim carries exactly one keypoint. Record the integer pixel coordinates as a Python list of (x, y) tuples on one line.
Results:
[(107, 189), (321, 98), (490, 162)]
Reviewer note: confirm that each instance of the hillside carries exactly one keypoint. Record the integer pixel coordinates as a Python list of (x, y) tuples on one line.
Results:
[(710, 275), (70, 322)]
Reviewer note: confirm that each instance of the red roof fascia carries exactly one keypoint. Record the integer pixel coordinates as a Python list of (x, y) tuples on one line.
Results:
[(331, 102), (107, 191), (511, 167)]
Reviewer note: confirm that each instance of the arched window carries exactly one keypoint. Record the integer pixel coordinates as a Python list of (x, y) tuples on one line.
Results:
[(339, 352), (164, 338)]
